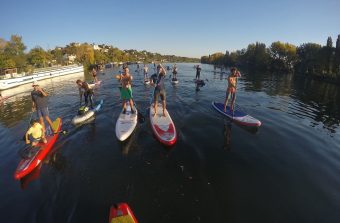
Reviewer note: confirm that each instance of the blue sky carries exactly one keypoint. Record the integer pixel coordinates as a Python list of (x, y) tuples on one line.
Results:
[(185, 28)]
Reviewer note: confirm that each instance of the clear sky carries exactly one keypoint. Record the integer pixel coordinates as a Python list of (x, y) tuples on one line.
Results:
[(182, 27)]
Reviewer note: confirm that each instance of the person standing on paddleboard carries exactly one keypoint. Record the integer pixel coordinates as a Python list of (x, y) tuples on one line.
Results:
[(85, 89), (198, 72), (145, 72), (39, 103), (158, 80), (94, 75), (231, 90), (126, 91), (174, 72)]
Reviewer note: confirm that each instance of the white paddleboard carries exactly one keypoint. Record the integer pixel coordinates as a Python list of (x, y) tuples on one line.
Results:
[(126, 123)]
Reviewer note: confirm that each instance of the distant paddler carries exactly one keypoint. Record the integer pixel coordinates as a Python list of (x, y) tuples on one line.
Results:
[(145, 72), (174, 72), (84, 89), (198, 72), (94, 75), (125, 90)]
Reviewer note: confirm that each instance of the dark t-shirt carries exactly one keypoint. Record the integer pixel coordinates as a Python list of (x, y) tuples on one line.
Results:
[(158, 80), (39, 99), (198, 70)]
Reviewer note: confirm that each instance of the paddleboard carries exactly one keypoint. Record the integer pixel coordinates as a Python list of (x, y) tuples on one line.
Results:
[(174, 81), (163, 127), (81, 118), (237, 116), (126, 123), (121, 213), (146, 81), (27, 165)]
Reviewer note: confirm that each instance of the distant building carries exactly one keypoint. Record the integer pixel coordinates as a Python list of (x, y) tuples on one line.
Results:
[(69, 58), (96, 47)]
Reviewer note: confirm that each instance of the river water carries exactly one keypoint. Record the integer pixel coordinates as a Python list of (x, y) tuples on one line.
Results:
[(288, 170)]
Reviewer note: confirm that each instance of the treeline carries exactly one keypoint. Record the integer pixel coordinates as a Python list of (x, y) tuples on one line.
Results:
[(310, 59), (13, 55)]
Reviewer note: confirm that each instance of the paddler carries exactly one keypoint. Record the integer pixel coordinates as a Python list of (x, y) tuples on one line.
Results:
[(145, 72), (126, 91), (198, 72), (174, 72), (158, 80), (231, 90), (39, 104), (35, 134), (85, 89), (94, 75)]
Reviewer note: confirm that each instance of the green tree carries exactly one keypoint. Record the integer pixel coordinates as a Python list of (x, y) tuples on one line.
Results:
[(85, 54), (283, 56), (308, 55), (329, 42), (57, 54), (256, 56), (337, 57), (14, 50), (38, 57)]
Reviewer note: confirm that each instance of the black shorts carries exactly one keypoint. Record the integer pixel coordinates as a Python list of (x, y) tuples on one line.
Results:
[(159, 93)]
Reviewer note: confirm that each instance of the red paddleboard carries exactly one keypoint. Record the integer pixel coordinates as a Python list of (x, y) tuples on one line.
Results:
[(27, 165), (121, 213), (163, 127)]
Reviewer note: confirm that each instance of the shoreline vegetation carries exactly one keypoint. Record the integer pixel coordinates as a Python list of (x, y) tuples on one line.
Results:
[(310, 60), (13, 55)]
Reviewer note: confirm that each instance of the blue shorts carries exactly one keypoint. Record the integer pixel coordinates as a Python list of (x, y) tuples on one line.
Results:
[(34, 139), (42, 112)]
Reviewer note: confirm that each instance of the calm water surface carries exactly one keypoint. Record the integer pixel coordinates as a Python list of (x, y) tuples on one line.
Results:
[(286, 171)]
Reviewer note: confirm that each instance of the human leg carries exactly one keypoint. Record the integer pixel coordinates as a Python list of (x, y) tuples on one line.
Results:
[(226, 100)]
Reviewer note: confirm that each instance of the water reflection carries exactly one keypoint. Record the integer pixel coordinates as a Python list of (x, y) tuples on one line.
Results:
[(305, 98), (227, 135)]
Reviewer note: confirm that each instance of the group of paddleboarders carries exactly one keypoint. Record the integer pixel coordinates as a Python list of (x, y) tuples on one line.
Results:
[(157, 80), (36, 133)]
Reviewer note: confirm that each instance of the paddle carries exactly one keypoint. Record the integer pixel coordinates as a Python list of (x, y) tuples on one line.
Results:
[(28, 125)]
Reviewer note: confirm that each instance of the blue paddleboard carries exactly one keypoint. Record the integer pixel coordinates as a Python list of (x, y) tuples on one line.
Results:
[(237, 116)]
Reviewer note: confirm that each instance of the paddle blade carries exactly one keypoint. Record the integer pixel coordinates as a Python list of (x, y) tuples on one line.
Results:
[(140, 117)]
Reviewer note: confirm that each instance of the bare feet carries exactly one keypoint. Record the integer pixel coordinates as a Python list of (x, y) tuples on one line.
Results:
[(164, 114), (154, 114)]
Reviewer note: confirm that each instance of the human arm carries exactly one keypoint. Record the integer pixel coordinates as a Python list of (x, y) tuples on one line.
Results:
[(26, 138), (163, 69), (43, 92)]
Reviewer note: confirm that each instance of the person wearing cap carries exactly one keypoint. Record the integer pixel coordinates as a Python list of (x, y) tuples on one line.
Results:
[(198, 72), (158, 80), (125, 90), (85, 89), (231, 90), (39, 104)]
